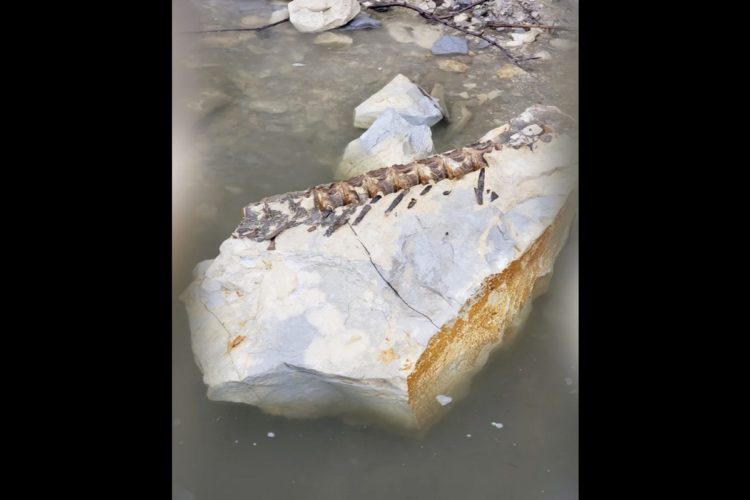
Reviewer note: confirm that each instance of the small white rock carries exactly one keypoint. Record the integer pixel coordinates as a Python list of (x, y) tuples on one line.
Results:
[(443, 399), (271, 434), (279, 15), (543, 54), (532, 130), (297, 64), (468, 435), (311, 16), (460, 18), (255, 444), (236, 441), (497, 424)]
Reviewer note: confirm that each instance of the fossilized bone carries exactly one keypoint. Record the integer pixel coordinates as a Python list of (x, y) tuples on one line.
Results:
[(316, 206)]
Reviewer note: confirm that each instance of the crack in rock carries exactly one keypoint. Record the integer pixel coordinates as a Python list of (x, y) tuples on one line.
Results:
[(388, 282)]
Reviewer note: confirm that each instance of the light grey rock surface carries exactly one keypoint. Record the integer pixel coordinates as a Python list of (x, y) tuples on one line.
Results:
[(391, 140), (334, 322), (403, 96), (312, 16)]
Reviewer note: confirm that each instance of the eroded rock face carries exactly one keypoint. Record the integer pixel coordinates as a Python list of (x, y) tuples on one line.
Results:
[(403, 96), (391, 140), (312, 16), (370, 298)]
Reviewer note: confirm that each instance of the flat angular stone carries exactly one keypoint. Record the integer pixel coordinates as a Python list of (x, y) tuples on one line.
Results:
[(369, 299), (449, 44), (403, 96), (390, 140)]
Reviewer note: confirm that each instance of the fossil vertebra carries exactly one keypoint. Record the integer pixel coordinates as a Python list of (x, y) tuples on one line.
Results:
[(268, 218)]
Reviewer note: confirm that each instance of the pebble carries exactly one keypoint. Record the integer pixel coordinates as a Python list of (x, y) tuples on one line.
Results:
[(543, 54), (253, 21), (468, 435), (443, 399), (461, 17), (509, 71), (297, 64), (329, 38), (497, 424), (271, 434), (532, 130), (452, 66), (448, 44)]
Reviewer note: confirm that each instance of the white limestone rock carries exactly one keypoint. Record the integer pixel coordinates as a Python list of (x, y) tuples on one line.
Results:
[(312, 16), (391, 140), (372, 318), (403, 96)]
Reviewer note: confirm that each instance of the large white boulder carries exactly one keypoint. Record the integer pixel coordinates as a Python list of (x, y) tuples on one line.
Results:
[(311, 16), (391, 140), (403, 96), (338, 301)]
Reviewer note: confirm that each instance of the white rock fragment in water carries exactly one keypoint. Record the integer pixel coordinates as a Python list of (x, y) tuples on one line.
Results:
[(522, 38), (271, 434), (497, 425), (279, 15), (443, 399), (563, 44), (311, 16), (391, 140), (332, 39), (369, 315), (298, 64), (532, 130), (403, 96), (468, 435)]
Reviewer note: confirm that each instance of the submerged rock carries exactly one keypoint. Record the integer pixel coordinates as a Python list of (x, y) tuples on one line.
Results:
[(311, 16), (417, 33), (403, 96), (448, 45), (331, 301), (361, 22), (508, 71), (333, 39), (452, 66), (390, 140)]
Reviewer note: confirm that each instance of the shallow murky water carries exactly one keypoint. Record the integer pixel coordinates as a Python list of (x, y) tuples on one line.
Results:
[(262, 113)]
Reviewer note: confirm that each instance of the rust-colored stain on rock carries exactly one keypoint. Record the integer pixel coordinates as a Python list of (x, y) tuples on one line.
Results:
[(236, 341), (387, 356)]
